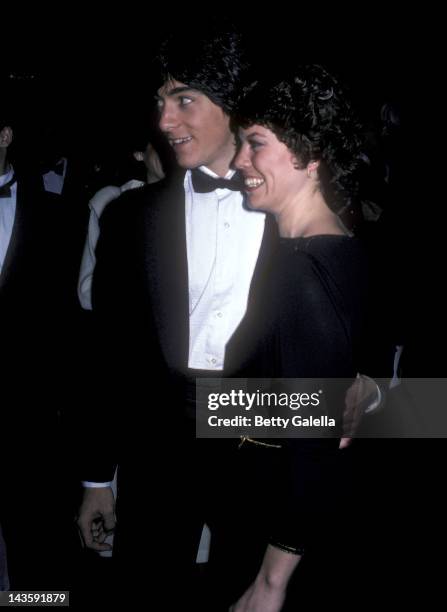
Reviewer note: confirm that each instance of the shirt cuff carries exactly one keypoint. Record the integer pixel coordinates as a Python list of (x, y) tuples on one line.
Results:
[(95, 485), (377, 401)]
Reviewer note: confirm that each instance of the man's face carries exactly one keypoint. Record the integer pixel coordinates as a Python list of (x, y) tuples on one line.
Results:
[(197, 129)]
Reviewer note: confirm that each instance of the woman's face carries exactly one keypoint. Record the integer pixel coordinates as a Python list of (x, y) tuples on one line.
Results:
[(269, 169)]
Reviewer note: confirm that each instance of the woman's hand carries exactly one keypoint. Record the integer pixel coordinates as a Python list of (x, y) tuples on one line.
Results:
[(268, 591), (260, 597)]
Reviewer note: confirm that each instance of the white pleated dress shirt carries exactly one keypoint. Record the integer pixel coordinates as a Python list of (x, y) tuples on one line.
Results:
[(223, 239)]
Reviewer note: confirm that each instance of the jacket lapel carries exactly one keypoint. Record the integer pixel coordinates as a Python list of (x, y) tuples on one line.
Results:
[(165, 255), (252, 328)]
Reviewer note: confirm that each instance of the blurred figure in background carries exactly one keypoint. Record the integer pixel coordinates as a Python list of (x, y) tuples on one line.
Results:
[(141, 165), (35, 362)]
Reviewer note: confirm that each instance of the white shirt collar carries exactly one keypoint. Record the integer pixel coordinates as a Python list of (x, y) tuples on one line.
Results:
[(206, 170)]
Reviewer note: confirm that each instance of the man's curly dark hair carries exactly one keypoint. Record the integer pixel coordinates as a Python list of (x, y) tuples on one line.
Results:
[(311, 114), (213, 62)]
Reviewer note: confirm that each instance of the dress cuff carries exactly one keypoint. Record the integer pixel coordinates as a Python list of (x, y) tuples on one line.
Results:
[(293, 550)]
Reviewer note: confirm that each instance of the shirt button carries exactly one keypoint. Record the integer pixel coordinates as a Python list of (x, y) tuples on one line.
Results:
[(220, 315), (226, 225), (213, 360)]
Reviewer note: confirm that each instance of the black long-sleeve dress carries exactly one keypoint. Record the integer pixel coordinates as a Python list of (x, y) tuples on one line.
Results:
[(309, 327)]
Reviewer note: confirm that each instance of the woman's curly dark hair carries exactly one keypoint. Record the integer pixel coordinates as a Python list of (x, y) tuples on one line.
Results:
[(311, 114)]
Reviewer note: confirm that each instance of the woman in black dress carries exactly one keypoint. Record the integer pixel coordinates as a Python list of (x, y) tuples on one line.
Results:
[(299, 156)]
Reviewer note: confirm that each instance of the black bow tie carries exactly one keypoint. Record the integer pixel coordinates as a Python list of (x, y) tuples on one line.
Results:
[(204, 183), (5, 190)]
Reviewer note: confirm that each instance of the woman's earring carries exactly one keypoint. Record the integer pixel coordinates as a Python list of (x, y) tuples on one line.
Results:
[(311, 170)]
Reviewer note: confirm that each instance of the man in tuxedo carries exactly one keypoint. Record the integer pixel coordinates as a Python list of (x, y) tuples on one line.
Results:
[(35, 344), (169, 318)]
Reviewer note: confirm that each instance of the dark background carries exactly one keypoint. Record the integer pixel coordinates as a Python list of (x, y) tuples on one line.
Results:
[(92, 71)]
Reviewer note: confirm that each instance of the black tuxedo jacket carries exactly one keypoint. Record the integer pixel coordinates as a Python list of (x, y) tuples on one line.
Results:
[(35, 299), (141, 305), (36, 358)]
